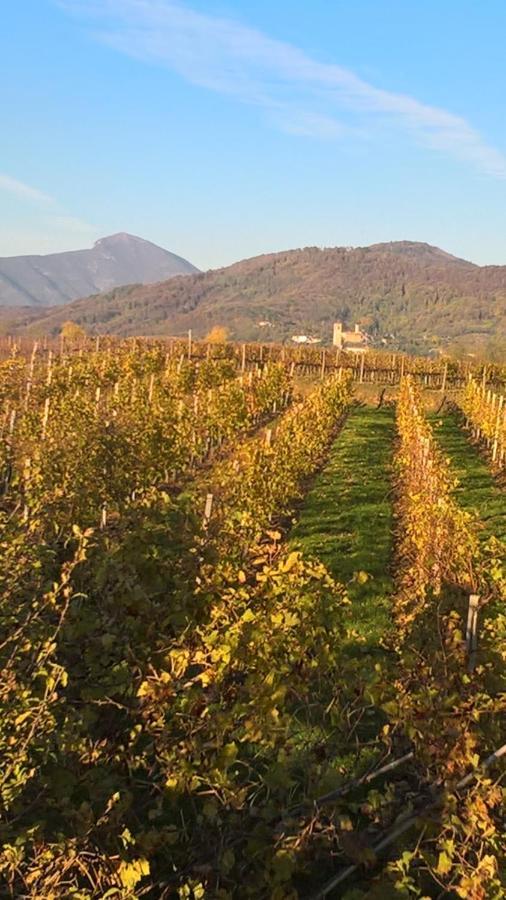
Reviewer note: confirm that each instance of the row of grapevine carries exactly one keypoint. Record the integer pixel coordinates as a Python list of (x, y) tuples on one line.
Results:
[(25, 379), (159, 698), (376, 365), (78, 451), (437, 544), (447, 701), (485, 414), (265, 475)]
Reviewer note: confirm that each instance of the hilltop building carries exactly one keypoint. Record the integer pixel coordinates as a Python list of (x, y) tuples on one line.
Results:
[(356, 341)]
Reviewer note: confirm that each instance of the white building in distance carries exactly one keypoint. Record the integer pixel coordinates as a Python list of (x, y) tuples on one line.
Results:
[(305, 339)]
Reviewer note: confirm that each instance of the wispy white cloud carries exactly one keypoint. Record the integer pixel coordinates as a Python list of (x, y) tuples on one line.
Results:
[(303, 95), (70, 224), (25, 191), (46, 224)]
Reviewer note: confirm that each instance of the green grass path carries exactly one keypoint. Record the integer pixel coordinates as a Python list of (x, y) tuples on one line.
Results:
[(477, 492), (346, 519)]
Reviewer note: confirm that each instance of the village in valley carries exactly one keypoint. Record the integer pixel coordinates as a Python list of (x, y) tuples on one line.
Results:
[(356, 341)]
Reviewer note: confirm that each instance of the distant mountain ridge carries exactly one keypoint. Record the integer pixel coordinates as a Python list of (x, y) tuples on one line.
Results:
[(59, 278), (416, 292)]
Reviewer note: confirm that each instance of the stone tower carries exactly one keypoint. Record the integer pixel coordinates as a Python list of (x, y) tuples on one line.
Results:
[(338, 334)]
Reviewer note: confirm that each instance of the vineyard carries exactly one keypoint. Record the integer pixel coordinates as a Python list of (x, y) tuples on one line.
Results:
[(253, 633)]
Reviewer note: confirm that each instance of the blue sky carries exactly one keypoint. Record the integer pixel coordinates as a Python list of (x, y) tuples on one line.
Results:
[(221, 130)]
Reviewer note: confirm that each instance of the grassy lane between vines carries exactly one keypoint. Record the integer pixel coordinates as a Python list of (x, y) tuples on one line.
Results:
[(346, 520), (411, 700), (477, 491)]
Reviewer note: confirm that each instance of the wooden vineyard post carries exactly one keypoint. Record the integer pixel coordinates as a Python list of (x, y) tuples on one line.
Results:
[(322, 372), (49, 368), (491, 405), (402, 367), (189, 343), (495, 445), (362, 364), (243, 358), (472, 630), (29, 381), (268, 437), (150, 389), (12, 422), (502, 447), (207, 511), (45, 418), (445, 375)]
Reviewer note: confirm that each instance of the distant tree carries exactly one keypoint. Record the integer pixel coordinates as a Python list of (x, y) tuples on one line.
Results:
[(489, 350), (458, 350), (71, 331), (366, 322), (219, 334), (495, 350)]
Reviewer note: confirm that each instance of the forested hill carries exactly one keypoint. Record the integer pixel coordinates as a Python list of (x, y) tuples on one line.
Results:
[(410, 290)]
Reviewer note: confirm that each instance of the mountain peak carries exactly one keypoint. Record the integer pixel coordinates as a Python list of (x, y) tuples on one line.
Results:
[(121, 237), (112, 262), (416, 249)]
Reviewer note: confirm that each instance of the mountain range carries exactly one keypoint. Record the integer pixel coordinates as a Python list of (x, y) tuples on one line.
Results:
[(58, 278), (406, 294)]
